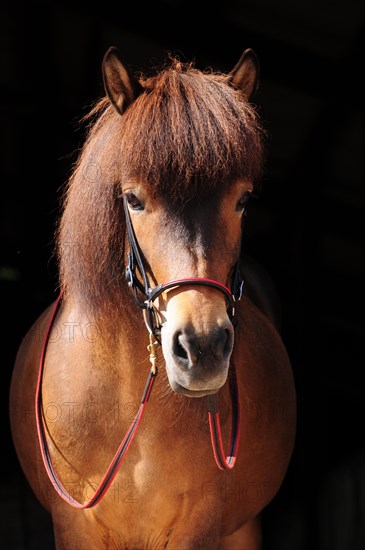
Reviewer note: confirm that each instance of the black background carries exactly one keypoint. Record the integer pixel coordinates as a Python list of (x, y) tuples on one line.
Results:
[(306, 228)]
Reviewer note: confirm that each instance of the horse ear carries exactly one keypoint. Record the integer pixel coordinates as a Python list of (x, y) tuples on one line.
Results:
[(245, 75), (121, 86)]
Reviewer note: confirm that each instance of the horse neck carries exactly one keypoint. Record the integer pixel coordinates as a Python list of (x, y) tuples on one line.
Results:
[(113, 339)]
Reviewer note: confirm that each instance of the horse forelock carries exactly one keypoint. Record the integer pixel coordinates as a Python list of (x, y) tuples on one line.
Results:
[(190, 131), (186, 134)]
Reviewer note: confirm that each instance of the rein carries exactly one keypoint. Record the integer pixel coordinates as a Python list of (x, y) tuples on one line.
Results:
[(150, 294), (122, 449)]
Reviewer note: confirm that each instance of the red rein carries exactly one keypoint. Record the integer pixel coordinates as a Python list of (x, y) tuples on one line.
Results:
[(214, 423)]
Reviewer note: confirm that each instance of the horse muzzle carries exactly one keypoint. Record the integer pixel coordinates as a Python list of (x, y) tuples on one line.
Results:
[(197, 353)]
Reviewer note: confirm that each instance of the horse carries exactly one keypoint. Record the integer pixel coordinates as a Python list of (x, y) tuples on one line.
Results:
[(154, 350)]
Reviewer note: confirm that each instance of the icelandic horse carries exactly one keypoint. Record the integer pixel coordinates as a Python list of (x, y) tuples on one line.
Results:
[(153, 345)]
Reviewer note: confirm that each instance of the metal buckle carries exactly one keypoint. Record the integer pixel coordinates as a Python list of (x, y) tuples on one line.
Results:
[(241, 290), (129, 276)]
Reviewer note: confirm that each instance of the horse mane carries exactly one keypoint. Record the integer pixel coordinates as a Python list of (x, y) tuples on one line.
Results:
[(187, 133)]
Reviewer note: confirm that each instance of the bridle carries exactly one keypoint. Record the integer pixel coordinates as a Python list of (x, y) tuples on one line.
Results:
[(149, 295)]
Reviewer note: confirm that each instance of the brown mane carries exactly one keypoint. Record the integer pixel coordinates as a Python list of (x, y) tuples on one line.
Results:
[(188, 132)]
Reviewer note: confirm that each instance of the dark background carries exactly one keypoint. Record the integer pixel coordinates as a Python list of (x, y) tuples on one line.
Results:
[(306, 228)]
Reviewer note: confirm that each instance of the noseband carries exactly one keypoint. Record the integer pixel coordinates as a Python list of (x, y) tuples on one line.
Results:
[(143, 287)]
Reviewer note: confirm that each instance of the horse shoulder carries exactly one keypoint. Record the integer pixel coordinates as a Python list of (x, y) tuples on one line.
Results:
[(21, 400), (69, 391)]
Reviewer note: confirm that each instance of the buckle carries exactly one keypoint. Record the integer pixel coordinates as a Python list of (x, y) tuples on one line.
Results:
[(240, 291), (129, 275)]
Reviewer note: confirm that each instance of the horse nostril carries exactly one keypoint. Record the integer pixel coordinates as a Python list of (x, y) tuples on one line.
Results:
[(191, 349), (221, 344), (228, 344), (177, 347)]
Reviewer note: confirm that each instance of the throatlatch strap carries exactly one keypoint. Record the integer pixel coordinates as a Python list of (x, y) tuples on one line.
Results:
[(121, 451)]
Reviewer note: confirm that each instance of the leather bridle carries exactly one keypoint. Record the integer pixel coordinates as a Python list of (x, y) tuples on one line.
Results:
[(233, 295), (149, 295)]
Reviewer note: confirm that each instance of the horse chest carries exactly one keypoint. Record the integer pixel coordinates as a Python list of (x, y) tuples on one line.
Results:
[(154, 516)]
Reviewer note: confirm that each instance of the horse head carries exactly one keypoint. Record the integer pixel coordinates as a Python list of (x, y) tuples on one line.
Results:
[(176, 157), (185, 236)]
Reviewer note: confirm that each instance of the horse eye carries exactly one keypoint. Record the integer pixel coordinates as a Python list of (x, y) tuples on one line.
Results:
[(133, 202), (241, 204)]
